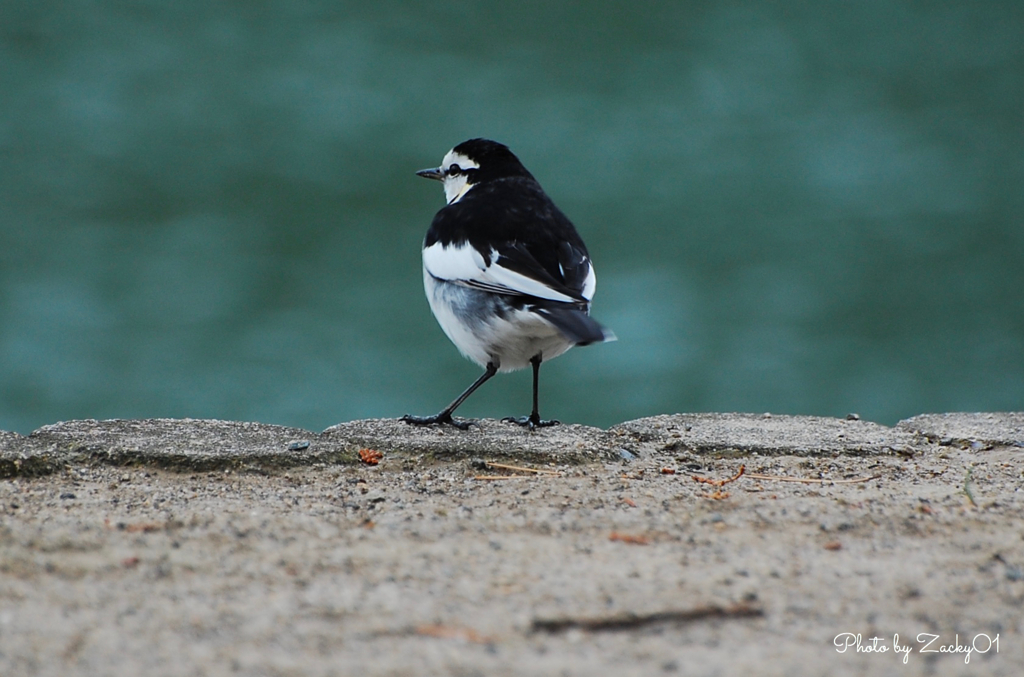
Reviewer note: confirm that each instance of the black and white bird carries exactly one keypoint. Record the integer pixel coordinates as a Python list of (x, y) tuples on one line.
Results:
[(505, 272)]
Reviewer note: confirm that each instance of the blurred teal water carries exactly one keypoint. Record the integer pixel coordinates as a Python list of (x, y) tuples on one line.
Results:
[(209, 209)]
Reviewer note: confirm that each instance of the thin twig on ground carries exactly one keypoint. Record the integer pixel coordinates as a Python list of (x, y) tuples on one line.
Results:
[(630, 621), (809, 480), (453, 632), (633, 539), (505, 466), (493, 478), (719, 483)]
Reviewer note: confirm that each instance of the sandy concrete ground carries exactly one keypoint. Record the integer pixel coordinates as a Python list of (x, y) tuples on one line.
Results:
[(209, 548)]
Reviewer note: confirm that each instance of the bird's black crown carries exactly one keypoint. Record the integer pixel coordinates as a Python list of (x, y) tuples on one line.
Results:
[(495, 159)]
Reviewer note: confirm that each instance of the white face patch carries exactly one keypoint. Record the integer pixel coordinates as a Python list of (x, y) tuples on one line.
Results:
[(455, 185)]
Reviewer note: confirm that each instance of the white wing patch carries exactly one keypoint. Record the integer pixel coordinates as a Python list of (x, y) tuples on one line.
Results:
[(589, 284), (521, 284), (463, 264)]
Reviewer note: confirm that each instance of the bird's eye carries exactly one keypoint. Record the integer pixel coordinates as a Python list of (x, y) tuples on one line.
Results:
[(454, 169)]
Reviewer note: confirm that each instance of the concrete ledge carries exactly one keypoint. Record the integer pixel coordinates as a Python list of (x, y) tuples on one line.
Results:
[(19, 457), (1000, 430), (770, 435), (190, 445), (636, 550), (568, 444), (179, 444)]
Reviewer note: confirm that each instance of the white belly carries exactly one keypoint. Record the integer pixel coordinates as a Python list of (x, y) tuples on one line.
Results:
[(485, 328)]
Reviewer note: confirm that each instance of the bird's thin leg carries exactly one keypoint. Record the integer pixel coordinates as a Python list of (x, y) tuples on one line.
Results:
[(445, 416), (533, 420)]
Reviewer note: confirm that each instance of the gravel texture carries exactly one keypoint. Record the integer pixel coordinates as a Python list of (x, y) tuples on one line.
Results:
[(184, 547)]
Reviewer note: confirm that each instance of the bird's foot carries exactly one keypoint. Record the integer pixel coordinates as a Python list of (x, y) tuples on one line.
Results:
[(533, 421), (442, 418)]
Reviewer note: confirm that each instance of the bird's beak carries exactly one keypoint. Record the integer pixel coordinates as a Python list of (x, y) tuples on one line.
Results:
[(435, 173)]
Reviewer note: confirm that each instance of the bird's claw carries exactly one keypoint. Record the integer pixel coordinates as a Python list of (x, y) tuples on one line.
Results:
[(440, 419), (532, 421)]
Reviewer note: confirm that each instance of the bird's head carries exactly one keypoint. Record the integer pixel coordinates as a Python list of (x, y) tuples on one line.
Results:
[(473, 162)]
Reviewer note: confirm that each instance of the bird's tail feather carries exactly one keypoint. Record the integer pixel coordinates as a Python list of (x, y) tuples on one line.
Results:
[(577, 326)]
